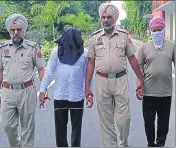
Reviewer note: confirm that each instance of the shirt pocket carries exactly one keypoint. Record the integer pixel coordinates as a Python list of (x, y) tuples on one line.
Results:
[(120, 50), (100, 50), (25, 63), (6, 64)]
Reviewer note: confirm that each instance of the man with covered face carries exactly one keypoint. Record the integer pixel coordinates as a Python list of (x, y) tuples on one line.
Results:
[(18, 59), (67, 64), (108, 49), (155, 58)]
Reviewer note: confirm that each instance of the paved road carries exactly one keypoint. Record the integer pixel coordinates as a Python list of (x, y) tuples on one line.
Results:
[(45, 136)]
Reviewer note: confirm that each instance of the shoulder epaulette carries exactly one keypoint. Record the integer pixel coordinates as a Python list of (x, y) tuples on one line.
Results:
[(123, 31), (30, 43), (5, 43), (96, 32)]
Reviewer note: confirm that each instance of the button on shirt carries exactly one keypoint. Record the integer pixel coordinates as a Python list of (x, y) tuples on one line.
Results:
[(69, 79), (110, 52)]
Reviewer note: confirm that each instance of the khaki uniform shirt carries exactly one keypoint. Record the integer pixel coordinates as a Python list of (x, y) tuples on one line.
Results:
[(157, 68), (18, 63), (110, 52)]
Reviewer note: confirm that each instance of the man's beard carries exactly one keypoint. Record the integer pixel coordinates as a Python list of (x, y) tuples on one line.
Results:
[(17, 40), (107, 26)]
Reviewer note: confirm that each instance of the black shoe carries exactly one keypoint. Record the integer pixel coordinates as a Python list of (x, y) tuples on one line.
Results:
[(159, 145), (152, 145)]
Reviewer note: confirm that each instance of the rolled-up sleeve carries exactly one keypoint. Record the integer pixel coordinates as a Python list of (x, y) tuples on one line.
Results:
[(129, 47), (91, 48), (38, 58)]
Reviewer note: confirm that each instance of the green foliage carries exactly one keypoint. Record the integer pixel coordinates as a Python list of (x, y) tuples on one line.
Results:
[(47, 48), (91, 8), (59, 12), (135, 11), (75, 7), (3, 33), (48, 19), (86, 40), (124, 23), (146, 38), (46, 14), (1, 41), (81, 20)]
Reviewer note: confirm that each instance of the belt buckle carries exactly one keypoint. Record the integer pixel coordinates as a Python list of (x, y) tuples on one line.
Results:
[(16, 87), (111, 76)]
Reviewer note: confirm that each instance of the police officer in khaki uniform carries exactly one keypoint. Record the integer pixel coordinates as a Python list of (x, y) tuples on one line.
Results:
[(107, 52), (18, 58)]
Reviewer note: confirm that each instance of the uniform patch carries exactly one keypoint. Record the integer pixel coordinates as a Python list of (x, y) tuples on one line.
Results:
[(6, 52), (99, 39), (39, 54)]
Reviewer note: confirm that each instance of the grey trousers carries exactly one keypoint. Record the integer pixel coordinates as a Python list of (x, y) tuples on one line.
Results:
[(19, 105), (113, 105)]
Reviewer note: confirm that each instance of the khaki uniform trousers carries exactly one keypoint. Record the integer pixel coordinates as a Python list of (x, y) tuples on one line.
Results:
[(19, 105), (113, 104)]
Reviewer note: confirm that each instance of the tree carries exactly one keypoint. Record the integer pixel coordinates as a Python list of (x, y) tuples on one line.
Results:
[(60, 14), (135, 11), (91, 8), (5, 11), (124, 23), (8, 7), (46, 14), (47, 19)]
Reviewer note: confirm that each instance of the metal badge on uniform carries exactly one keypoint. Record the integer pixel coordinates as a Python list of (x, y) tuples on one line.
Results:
[(6, 52)]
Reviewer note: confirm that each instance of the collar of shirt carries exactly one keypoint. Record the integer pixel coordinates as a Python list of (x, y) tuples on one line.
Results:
[(22, 45), (114, 32)]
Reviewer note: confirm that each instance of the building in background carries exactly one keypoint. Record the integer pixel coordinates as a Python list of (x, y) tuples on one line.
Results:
[(166, 9)]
